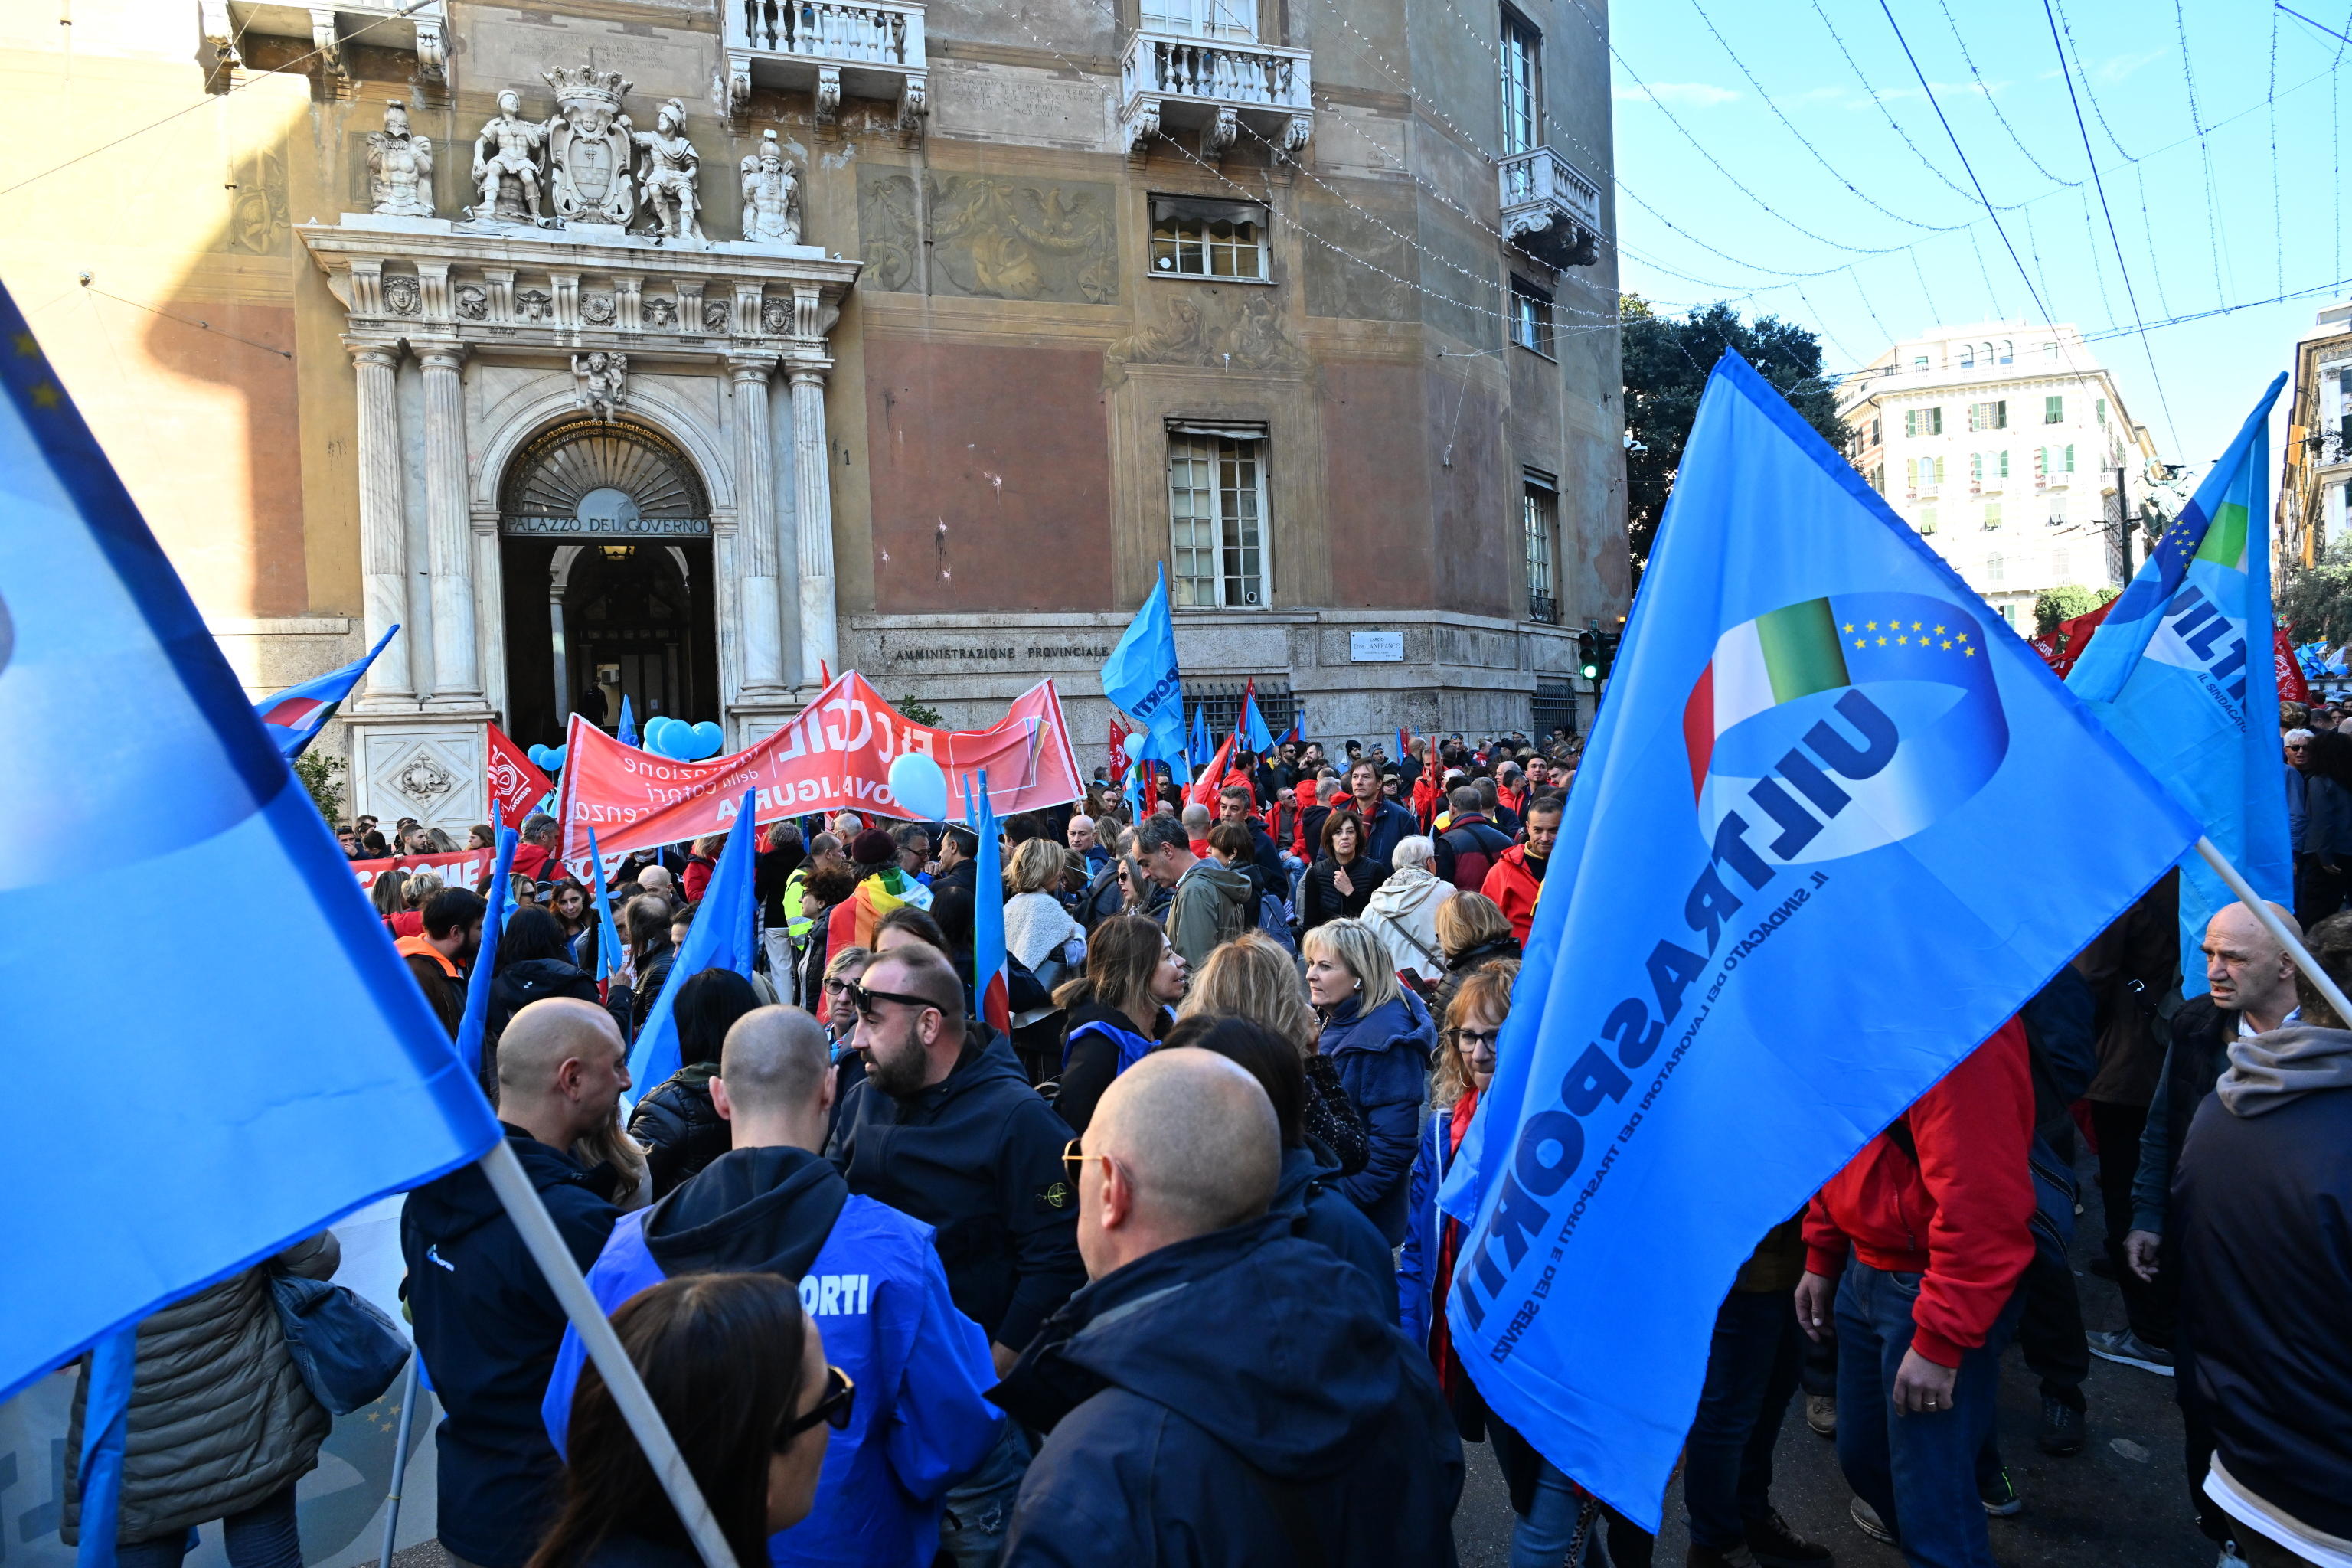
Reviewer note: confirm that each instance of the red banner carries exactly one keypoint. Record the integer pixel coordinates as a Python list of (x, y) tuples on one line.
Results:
[(462, 869), (2062, 646), (2292, 687), (516, 784), (835, 756), (1119, 734)]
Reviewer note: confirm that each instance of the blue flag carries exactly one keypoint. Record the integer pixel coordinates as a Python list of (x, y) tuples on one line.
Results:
[(726, 925), (627, 733), (225, 1131), (295, 716), (1813, 857), (1296, 735), (1255, 736), (2182, 673), (474, 1022), (1141, 676), (610, 954)]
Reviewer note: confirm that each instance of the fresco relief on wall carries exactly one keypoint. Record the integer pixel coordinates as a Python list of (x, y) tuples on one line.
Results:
[(1224, 329), (257, 220), (1374, 229), (991, 237)]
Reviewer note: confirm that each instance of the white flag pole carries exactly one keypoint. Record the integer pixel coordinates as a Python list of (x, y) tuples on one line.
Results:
[(2318, 977), (603, 1347), (409, 1392)]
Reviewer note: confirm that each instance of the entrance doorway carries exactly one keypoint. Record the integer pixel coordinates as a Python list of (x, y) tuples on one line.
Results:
[(608, 580)]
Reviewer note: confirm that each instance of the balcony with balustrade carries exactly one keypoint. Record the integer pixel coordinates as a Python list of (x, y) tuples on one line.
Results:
[(1550, 209), (866, 49), (1217, 86)]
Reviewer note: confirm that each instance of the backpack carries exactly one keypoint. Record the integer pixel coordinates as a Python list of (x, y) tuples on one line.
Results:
[(1274, 920)]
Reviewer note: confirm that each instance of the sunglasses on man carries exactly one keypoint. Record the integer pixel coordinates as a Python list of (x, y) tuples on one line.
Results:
[(866, 1001), (840, 1398)]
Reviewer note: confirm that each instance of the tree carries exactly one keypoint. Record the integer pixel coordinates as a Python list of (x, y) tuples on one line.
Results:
[(2063, 603), (317, 770), (2314, 603), (1667, 364), (921, 712)]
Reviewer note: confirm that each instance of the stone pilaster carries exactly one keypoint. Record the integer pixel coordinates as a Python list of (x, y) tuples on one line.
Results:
[(813, 506), (457, 665), (758, 544), (384, 552)]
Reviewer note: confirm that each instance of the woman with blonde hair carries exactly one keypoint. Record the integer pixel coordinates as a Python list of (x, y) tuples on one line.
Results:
[(1472, 930), (1254, 977), (1379, 1037), (1118, 1011)]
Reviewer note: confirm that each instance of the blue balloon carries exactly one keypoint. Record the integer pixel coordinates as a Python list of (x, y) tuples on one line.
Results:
[(555, 755), (657, 736), (710, 737), (917, 784)]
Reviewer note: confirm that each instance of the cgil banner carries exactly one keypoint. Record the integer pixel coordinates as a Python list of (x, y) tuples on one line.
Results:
[(462, 869), (515, 783), (835, 756)]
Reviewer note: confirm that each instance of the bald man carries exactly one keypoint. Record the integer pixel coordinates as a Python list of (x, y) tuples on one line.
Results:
[(486, 1321), (869, 1276), (1223, 1391)]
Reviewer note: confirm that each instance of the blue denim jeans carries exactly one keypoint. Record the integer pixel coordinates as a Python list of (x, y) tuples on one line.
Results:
[(979, 1507), (263, 1536), (1919, 1472), (1540, 1537), (1752, 1370)]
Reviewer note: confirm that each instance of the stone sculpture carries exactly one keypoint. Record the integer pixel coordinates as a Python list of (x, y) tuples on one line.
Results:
[(400, 167), (603, 381), (588, 147), (506, 166), (668, 166), (772, 196)]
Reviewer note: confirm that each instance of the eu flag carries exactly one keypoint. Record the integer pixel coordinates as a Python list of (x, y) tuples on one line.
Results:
[(2183, 674), (1813, 857), (196, 1115)]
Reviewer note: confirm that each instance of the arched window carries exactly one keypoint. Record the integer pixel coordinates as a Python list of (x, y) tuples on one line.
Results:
[(1968, 356), (2007, 353)]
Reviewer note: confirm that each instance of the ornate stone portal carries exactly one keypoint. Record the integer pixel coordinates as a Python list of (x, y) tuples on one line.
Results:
[(471, 339)]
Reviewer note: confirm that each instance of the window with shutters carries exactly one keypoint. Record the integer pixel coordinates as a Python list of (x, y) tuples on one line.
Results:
[(1540, 527), (1976, 472), (1522, 97), (1195, 238), (1992, 514), (1217, 510), (1201, 18), (2053, 411), (1993, 568), (1992, 415), (2070, 458), (1923, 422), (1919, 364), (2099, 411), (1926, 520)]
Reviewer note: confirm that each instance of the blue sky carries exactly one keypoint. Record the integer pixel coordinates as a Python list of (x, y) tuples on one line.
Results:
[(1757, 141)]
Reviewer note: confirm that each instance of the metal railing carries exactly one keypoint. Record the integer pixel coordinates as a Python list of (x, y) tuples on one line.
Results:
[(1543, 609)]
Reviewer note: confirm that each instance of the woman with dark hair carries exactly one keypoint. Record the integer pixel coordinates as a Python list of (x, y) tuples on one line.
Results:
[(645, 925), (1341, 881), (567, 901), (736, 1372), (1117, 1009), (533, 962), (1304, 1190), (481, 836), (680, 1129), (2327, 828), (828, 883)]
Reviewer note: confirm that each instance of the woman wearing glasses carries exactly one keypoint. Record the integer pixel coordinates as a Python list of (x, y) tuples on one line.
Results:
[(739, 1373)]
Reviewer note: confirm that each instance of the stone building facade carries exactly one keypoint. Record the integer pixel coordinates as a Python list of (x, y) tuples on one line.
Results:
[(687, 350)]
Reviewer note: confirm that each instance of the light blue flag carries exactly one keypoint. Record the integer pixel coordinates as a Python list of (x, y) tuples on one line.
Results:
[(1141, 676), (1199, 749), (726, 926), (295, 716), (1255, 736), (223, 1132), (2183, 674), (610, 954), (1813, 857), (474, 1021), (627, 733)]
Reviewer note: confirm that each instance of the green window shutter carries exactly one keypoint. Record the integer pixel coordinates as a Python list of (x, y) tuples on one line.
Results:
[(1940, 470), (2000, 414), (2070, 458)]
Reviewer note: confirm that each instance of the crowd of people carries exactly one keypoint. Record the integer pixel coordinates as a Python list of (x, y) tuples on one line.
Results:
[(1157, 1273)]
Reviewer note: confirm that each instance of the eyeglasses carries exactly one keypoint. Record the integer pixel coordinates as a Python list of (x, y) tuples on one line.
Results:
[(840, 1398), (1074, 1162), (865, 1001), (837, 985), (1474, 1039)]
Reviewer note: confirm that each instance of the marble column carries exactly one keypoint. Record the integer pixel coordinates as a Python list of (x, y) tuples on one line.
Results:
[(384, 551), (758, 548), (448, 521), (812, 508)]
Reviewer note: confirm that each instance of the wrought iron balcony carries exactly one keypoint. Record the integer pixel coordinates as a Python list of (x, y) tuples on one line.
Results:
[(1173, 80), (873, 48), (1550, 209), (1543, 609)]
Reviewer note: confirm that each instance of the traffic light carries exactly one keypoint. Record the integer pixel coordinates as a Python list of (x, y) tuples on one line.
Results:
[(1588, 654), (1608, 641)]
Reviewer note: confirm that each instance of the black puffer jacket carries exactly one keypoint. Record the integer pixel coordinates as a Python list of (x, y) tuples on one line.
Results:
[(681, 1130)]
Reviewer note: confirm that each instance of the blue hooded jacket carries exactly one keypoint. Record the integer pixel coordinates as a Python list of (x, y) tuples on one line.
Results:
[(1416, 1267), (487, 1324), (1320, 1212), (1383, 1060), (872, 1284), (1199, 1395)]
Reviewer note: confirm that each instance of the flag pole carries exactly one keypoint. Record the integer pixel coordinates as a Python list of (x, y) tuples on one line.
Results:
[(409, 1389), (2319, 978), (603, 1347)]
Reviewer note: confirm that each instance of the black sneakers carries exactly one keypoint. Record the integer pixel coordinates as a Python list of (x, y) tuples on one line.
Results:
[(1777, 1546), (2062, 1428)]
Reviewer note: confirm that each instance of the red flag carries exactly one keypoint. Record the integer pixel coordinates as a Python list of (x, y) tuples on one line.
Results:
[(1212, 778), (2062, 646), (2292, 687), (516, 784), (1119, 761)]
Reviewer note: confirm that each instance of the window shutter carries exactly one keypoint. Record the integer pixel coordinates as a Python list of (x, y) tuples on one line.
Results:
[(1940, 470), (1911, 473), (2004, 463), (2070, 458), (2000, 414)]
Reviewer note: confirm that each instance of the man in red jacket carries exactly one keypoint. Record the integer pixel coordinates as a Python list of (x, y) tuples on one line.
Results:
[(1937, 1212), (1517, 874)]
